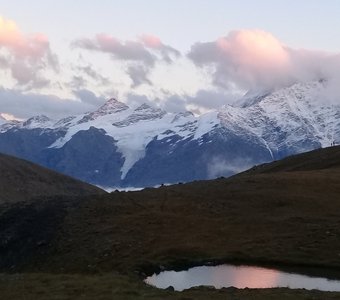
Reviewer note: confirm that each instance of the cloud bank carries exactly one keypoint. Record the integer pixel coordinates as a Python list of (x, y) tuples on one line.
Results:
[(25, 55), (25, 105), (255, 59), (242, 60)]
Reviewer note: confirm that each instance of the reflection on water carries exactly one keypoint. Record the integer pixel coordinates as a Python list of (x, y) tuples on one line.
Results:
[(240, 277)]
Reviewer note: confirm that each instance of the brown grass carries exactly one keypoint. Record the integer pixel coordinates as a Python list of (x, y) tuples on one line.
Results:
[(288, 218), (21, 180), (112, 286)]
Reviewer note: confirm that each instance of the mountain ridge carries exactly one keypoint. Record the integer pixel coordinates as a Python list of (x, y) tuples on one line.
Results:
[(165, 147)]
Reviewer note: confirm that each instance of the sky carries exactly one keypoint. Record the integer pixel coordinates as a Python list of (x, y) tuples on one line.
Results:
[(61, 58)]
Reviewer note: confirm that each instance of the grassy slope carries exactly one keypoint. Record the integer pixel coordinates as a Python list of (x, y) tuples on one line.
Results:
[(110, 286), (21, 179), (286, 213), (328, 158)]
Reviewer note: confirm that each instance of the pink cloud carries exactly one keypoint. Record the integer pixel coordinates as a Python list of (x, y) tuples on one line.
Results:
[(256, 50), (8, 32), (151, 41), (29, 53), (255, 59)]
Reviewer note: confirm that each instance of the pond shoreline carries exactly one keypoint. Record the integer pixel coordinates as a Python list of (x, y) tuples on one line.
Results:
[(240, 277), (315, 270)]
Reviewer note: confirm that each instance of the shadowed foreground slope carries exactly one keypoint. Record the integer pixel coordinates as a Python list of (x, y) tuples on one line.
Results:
[(285, 214), (21, 180)]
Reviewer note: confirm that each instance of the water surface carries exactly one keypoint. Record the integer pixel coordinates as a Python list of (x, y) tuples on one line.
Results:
[(239, 277)]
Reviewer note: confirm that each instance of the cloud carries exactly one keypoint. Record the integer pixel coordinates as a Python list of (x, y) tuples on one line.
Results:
[(202, 101), (7, 117), (153, 42), (138, 75), (175, 103), (218, 166), (23, 106), (135, 100), (210, 99), (77, 82), (4, 62), (25, 55), (89, 97), (141, 55), (128, 50), (89, 71), (255, 59)]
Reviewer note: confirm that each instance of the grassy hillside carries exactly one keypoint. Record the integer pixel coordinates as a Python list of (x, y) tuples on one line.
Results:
[(320, 159), (21, 180), (285, 214)]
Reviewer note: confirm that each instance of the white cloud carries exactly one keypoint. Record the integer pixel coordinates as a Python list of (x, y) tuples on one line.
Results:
[(219, 166)]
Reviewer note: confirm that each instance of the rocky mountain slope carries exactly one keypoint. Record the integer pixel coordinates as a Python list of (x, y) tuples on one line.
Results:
[(121, 146)]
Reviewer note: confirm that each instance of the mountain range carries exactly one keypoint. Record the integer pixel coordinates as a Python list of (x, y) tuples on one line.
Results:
[(117, 146)]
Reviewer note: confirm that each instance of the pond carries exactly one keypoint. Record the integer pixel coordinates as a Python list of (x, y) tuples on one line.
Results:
[(239, 277)]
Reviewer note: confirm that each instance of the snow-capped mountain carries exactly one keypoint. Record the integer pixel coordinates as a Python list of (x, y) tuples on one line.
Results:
[(291, 118), (116, 145), (40, 121), (2, 120)]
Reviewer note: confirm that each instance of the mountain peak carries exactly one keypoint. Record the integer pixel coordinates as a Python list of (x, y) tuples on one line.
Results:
[(110, 107), (148, 110), (144, 112), (296, 90), (37, 121), (182, 114), (144, 106), (251, 97)]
